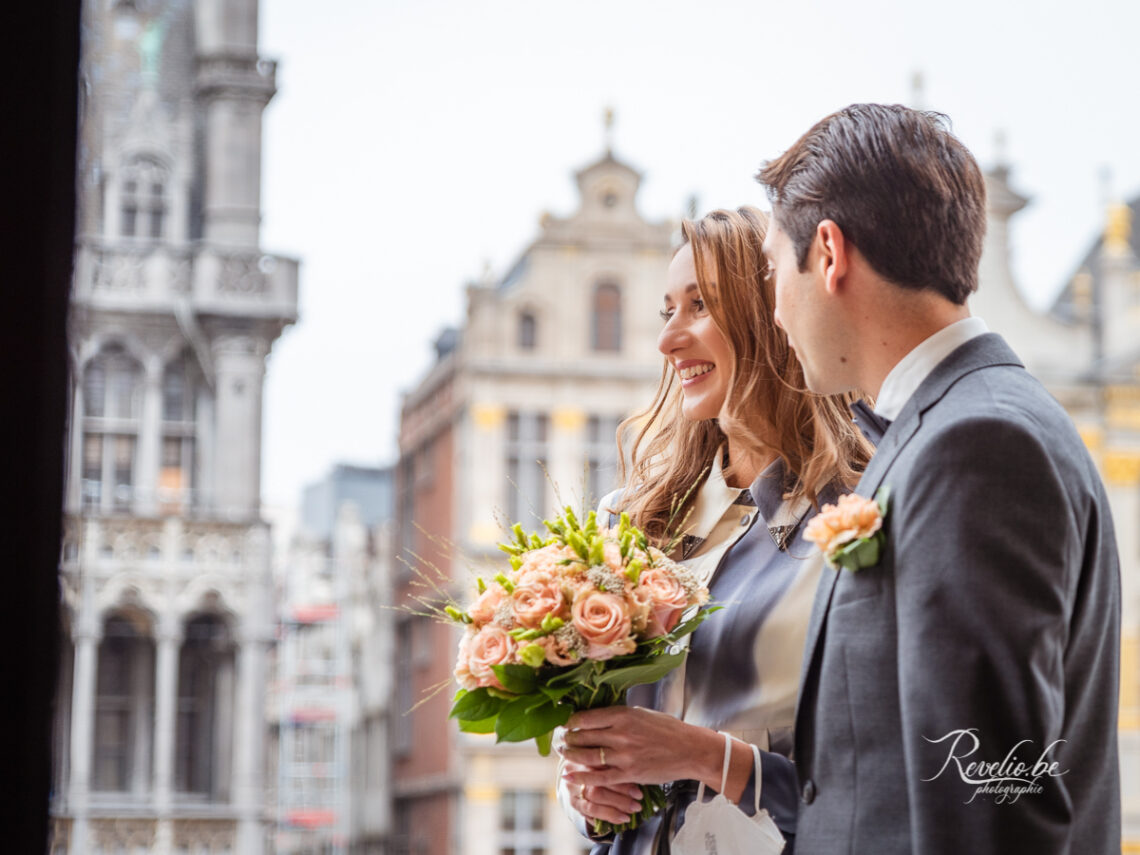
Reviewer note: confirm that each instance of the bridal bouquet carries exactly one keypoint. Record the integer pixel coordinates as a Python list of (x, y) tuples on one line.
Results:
[(581, 615)]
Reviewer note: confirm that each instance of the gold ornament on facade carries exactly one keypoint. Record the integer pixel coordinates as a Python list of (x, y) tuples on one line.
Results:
[(1118, 229), (1123, 407), (568, 419), (1092, 436), (1129, 689), (488, 416), (1082, 290), (1122, 468)]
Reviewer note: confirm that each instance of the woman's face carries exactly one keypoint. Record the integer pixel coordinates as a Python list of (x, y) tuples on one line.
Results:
[(694, 346)]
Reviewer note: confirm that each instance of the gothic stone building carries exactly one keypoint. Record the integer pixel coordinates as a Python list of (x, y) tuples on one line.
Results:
[(165, 561)]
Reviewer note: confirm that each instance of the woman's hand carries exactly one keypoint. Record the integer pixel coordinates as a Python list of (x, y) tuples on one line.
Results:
[(615, 746), (613, 804)]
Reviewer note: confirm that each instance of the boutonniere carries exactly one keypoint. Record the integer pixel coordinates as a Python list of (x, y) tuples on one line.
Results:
[(850, 534)]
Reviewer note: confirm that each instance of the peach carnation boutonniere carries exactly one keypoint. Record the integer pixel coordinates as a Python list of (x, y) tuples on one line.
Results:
[(850, 533)]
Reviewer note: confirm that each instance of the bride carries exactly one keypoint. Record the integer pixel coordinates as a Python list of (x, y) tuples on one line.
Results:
[(733, 430)]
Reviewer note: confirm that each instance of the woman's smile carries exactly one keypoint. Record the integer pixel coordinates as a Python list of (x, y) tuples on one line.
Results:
[(693, 371)]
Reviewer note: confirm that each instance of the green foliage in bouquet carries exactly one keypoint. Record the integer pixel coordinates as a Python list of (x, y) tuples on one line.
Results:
[(583, 615)]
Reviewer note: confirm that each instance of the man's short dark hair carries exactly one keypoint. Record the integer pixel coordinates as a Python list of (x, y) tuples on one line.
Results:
[(900, 186)]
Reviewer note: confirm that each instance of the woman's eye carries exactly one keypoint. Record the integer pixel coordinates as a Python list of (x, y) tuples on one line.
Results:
[(699, 304), (665, 314)]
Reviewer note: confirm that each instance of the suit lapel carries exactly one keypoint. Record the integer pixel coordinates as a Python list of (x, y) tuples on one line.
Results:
[(981, 352)]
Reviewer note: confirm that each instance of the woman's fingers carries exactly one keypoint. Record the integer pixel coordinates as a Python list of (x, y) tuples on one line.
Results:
[(593, 756), (604, 803)]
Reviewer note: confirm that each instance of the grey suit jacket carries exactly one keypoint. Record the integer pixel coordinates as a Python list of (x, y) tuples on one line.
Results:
[(994, 612)]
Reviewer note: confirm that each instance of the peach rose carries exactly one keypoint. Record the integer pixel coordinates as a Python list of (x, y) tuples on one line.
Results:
[(603, 620), (462, 667), (537, 593), (483, 609), (555, 655), (669, 599), (835, 526), (491, 645)]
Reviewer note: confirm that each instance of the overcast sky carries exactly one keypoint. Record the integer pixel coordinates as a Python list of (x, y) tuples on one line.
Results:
[(413, 142)]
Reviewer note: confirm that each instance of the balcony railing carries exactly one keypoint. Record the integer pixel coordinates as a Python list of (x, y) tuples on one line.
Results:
[(139, 276)]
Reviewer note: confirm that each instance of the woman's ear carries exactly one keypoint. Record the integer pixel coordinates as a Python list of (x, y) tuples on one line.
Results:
[(830, 255)]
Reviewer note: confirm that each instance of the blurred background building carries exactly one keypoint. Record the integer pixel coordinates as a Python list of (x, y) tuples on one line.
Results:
[(331, 696), (165, 571), (519, 414)]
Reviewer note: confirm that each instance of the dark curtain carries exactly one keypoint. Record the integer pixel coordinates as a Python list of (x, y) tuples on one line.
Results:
[(39, 58)]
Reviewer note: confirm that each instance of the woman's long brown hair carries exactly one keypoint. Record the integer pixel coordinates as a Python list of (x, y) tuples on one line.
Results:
[(768, 407)]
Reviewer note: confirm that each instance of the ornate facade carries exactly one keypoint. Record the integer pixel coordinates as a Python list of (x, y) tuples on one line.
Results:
[(520, 409), (165, 567)]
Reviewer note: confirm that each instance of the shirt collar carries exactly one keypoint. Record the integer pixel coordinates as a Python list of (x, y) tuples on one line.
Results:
[(907, 375), (714, 498)]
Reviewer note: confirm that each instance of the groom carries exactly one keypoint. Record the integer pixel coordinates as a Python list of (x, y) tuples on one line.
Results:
[(959, 696)]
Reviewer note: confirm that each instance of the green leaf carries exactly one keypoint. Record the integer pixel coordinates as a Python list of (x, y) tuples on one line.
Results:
[(519, 679), (544, 741), (883, 499), (686, 627), (528, 718), (861, 553), (475, 705), (555, 694), (622, 678), (485, 725), (576, 674)]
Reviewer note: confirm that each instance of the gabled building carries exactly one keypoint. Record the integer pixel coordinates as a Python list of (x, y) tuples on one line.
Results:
[(165, 565), (523, 402)]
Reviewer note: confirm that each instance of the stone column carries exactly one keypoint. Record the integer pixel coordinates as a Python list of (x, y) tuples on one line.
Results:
[(240, 370), (150, 442), (74, 501), (83, 720), (165, 722), (249, 730), (141, 672)]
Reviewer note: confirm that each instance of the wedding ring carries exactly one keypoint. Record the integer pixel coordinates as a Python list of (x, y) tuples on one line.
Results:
[(582, 791), (602, 752)]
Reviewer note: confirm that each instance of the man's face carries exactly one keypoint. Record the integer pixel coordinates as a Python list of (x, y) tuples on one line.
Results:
[(806, 312)]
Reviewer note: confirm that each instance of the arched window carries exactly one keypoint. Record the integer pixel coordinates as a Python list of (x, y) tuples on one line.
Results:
[(124, 704), (142, 197), (606, 327), (180, 383), (528, 330), (205, 709), (112, 404)]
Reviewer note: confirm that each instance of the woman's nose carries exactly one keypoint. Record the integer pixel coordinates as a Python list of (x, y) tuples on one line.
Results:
[(673, 335)]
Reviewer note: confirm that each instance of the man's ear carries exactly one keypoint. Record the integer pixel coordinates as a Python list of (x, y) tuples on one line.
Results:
[(831, 255)]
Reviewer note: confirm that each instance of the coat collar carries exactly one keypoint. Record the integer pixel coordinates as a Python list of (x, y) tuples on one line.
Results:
[(985, 351)]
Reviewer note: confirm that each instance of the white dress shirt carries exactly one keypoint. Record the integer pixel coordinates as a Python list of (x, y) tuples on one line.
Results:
[(905, 378)]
